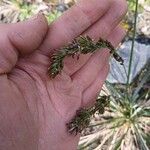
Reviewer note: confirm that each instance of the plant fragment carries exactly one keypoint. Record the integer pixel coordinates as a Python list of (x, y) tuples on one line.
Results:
[(83, 115), (80, 45)]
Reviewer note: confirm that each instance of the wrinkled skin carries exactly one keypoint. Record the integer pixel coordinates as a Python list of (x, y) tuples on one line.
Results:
[(35, 108)]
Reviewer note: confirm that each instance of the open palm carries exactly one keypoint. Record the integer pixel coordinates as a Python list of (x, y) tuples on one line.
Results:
[(35, 108)]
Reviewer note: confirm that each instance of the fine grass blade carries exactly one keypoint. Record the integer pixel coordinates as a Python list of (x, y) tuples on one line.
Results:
[(141, 142), (145, 77)]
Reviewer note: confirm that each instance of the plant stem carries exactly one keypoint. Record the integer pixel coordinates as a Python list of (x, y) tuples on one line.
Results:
[(132, 48)]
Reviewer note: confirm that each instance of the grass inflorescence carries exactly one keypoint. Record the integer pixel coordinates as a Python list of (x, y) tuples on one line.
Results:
[(80, 45), (83, 115)]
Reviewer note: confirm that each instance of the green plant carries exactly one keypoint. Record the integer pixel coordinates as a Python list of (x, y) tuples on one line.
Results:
[(26, 11), (16, 10), (125, 125), (132, 3), (53, 16), (19, 10), (128, 21)]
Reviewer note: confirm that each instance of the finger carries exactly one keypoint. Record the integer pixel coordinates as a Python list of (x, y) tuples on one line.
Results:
[(87, 74), (19, 39), (102, 28), (73, 22), (92, 92), (109, 21)]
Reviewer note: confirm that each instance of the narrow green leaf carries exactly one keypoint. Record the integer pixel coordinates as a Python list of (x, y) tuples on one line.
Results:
[(118, 143), (114, 92), (146, 112), (146, 76), (141, 142)]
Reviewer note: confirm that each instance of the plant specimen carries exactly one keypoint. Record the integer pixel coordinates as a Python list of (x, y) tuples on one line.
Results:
[(82, 45), (83, 115)]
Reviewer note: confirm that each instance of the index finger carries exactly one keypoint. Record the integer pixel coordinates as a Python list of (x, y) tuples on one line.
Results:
[(73, 22)]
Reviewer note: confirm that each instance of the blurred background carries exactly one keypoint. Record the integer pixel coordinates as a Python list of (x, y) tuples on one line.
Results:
[(125, 124)]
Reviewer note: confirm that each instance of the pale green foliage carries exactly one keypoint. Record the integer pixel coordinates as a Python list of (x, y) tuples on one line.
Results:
[(53, 16), (17, 10), (131, 4)]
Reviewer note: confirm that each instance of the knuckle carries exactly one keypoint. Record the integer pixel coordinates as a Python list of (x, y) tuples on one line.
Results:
[(122, 4)]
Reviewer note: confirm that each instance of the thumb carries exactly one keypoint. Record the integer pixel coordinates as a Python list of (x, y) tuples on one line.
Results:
[(20, 39)]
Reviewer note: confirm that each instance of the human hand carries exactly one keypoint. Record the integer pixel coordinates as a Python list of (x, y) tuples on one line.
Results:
[(34, 108)]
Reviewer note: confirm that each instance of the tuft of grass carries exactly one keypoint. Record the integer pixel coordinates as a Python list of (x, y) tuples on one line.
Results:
[(125, 125)]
